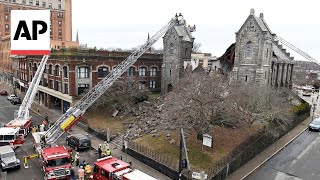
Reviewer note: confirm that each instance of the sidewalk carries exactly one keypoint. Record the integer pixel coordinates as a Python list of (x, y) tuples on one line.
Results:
[(272, 150), (54, 115)]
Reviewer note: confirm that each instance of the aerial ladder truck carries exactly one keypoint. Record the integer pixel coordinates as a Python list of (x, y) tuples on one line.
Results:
[(20, 126), (44, 141)]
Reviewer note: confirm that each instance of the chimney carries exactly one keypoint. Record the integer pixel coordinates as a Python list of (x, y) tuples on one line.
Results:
[(252, 11)]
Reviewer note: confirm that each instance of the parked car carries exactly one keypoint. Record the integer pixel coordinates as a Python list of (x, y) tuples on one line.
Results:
[(8, 158), (15, 100), (78, 141), (3, 92), (315, 125), (11, 96)]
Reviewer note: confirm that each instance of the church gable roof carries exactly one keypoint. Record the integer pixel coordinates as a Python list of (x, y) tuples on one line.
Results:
[(184, 33), (259, 20)]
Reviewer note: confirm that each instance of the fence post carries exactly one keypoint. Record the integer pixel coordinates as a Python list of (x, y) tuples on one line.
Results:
[(227, 171)]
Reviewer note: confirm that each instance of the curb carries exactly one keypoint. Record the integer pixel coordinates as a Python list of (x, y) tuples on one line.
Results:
[(274, 154)]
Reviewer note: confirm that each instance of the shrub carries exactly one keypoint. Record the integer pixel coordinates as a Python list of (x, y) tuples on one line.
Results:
[(301, 108)]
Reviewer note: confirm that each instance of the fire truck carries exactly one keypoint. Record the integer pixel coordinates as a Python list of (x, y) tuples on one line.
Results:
[(11, 136), (74, 114), (24, 124), (22, 118), (111, 168), (55, 160)]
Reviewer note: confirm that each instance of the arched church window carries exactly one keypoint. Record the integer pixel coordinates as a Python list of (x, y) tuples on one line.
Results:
[(267, 53), (248, 50), (171, 49)]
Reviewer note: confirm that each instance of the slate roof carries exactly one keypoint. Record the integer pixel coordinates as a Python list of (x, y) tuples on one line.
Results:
[(184, 33)]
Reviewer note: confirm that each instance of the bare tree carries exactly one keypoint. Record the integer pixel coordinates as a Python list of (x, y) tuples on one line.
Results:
[(196, 47)]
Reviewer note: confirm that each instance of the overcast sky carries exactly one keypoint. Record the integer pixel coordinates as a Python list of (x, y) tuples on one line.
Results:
[(126, 23)]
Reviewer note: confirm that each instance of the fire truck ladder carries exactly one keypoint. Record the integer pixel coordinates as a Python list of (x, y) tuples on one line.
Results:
[(73, 114), (297, 50), (23, 112)]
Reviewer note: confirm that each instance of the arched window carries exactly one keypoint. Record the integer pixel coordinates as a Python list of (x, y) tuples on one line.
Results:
[(65, 72), (57, 69), (248, 50), (142, 71), (171, 49), (102, 72), (50, 69)]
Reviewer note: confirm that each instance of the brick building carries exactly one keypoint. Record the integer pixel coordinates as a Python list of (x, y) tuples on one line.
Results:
[(67, 76), (60, 28)]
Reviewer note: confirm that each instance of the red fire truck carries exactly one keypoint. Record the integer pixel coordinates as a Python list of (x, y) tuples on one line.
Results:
[(55, 160), (24, 124), (11, 136), (111, 168)]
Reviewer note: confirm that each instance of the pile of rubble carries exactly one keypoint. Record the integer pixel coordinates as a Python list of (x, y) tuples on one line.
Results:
[(149, 118)]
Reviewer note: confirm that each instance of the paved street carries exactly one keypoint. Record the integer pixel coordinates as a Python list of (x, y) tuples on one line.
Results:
[(34, 170), (299, 160)]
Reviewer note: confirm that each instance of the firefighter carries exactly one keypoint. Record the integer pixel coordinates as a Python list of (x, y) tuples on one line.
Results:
[(76, 158), (34, 129), (108, 152), (87, 170), (100, 151)]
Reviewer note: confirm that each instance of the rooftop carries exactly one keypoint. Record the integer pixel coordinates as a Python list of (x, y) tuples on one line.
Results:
[(111, 164), (54, 152), (9, 130)]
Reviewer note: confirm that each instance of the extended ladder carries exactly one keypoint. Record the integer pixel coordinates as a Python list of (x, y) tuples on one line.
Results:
[(23, 112), (73, 114), (297, 50)]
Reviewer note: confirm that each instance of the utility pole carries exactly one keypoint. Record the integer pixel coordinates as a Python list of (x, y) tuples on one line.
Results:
[(183, 163)]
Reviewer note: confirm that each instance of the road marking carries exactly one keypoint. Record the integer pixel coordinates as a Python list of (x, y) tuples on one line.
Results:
[(7, 106)]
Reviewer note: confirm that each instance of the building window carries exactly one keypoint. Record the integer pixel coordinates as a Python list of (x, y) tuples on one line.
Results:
[(24, 2), (60, 32), (66, 88), (50, 69), (153, 84), (57, 70), (142, 71), (58, 86), (82, 88), (37, 3), (45, 82), (6, 17), (246, 80), (35, 67), (59, 23), (59, 6), (31, 2), (65, 72), (43, 4), (267, 53), (50, 5), (131, 71), (7, 27), (51, 84), (142, 85), (102, 72), (153, 71), (83, 72), (248, 50)]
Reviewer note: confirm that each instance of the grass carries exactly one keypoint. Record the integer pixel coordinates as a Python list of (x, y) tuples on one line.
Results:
[(224, 141), (198, 159), (102, 123)]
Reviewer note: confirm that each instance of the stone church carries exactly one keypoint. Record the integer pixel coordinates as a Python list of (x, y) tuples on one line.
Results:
[(177, 48), (258, 56)]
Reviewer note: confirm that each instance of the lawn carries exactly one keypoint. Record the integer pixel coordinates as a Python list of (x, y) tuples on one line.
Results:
[(102, 123), (224, 140)]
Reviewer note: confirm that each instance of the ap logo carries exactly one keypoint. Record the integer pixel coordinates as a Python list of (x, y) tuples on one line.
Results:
[(30, 32)]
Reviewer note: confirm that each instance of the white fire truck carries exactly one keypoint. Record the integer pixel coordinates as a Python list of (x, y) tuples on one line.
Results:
[(24, 124), (11, 136)]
